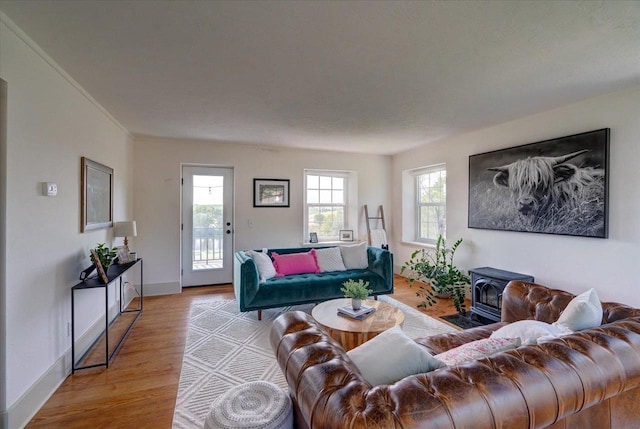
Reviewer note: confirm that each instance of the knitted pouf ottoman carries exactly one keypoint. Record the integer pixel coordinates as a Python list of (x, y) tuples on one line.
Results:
[(255, 405)]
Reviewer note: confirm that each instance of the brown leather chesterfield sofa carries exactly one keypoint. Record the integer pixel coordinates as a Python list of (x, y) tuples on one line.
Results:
[(589, 379)]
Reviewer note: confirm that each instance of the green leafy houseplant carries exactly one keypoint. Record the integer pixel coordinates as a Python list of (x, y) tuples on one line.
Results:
[(437, 269), (356, 289), (105, 254)]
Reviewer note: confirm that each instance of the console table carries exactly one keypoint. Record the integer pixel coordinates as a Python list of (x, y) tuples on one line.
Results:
[(115, 272)]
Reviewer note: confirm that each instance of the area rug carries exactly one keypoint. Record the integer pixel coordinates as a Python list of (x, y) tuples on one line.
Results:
[(225, 348)]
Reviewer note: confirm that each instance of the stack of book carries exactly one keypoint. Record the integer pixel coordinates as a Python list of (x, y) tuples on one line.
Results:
[(364, 312)]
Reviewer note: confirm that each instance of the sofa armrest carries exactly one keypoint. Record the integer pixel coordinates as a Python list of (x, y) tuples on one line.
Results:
[(246, 279), (381, 263), (526, 300)]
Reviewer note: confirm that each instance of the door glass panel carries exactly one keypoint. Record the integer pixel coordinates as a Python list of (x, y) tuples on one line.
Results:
[(208, 224)]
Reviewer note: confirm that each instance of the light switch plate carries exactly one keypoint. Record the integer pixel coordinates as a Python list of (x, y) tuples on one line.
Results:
[(49, 189)]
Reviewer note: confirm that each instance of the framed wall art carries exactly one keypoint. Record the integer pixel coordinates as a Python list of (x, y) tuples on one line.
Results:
[(557, 186), (270, 192), (346, 235), (97, 195)]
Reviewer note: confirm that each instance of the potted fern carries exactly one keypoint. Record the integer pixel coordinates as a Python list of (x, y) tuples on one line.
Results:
[(357, 291), (438, 270)]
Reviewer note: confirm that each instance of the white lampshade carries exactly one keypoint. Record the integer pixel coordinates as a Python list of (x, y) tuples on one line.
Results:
[(126, 228)]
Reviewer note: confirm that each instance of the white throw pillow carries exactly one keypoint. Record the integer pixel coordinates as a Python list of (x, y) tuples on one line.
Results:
[(330, 259), (529, 331), (264, 264), (392, 356), (355, 257), (583, 312)]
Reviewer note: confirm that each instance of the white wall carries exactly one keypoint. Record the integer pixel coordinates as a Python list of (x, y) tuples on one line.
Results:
[(157, 196), (569, 263), (52, 122)]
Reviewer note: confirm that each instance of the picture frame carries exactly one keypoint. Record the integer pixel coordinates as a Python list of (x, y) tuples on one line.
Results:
[(313, 237), (101, 272), (124, 255), (96, 202), (557, 186), (346, 235), (270, 192)]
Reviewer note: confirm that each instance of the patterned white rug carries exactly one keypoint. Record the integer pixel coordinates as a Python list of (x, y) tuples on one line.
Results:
[(225, 348)]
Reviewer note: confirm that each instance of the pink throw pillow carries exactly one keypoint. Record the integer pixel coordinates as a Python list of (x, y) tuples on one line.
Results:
[(295, 263)]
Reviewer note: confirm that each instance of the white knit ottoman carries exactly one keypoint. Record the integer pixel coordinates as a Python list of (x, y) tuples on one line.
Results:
[(255, 405)]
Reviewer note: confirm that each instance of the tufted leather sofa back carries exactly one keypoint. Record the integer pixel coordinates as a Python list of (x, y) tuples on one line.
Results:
[(525, 300)]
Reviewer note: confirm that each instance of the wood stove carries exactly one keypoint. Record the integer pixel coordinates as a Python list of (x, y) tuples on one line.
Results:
[(487, 285)]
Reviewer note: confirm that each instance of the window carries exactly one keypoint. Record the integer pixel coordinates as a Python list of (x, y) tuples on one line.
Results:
[(327, 203), (430, 207)]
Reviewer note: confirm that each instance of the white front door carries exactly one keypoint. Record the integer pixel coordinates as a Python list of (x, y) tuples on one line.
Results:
[(207, 225)]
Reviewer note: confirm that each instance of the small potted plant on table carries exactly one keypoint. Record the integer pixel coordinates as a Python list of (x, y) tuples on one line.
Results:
[(357, 291), (101, 258), (437, 269), (105, 254)]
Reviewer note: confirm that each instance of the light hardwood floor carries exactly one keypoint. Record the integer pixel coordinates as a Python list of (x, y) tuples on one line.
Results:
[(139, 388)]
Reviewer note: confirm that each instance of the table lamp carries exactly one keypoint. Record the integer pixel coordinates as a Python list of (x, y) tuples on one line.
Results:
[(125, 229)]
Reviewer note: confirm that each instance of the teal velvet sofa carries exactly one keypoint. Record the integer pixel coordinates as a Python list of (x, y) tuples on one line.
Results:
[(305, 288)]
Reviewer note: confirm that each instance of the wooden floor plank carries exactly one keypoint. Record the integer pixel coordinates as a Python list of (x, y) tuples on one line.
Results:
[(139, 388)]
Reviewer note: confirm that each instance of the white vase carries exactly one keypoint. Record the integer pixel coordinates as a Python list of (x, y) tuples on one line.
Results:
[(356, 303)]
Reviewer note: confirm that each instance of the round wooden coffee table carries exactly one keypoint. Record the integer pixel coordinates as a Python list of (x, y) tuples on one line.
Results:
[(350, 333)]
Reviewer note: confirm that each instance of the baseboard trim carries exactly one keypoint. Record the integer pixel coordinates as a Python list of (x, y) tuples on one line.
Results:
[(162, 288), (23, 410)]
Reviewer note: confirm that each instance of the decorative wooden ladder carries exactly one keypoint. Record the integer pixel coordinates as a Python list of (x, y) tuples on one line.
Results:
[(380, 217)]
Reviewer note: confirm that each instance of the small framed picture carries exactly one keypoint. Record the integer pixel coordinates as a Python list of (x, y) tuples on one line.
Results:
[(313, 237), (124, 256), (270, 192), (346, 235), (101, 271)]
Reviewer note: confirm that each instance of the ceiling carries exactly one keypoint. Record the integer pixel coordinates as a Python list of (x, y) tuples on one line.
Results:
[(358, 76)]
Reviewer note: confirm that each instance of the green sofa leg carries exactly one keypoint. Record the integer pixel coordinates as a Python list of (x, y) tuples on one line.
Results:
[(259, 314)]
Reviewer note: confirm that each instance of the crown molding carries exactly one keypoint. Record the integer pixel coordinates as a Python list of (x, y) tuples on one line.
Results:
[(4, 19)]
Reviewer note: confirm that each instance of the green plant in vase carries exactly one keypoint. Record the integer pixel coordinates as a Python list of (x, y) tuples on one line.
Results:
[(105, 255), (436, 268), (357, 291)]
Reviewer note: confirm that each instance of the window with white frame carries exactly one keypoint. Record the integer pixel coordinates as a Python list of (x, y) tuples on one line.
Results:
[(431, 203), (327, 203)]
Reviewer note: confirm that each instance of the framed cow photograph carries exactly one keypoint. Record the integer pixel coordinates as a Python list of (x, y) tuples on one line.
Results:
[(557, 186)]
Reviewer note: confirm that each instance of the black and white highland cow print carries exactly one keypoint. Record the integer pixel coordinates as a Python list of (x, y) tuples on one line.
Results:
[(556, 186)]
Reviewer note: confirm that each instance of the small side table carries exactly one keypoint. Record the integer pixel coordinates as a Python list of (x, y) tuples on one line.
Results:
[(115, 272), (350, 333)]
